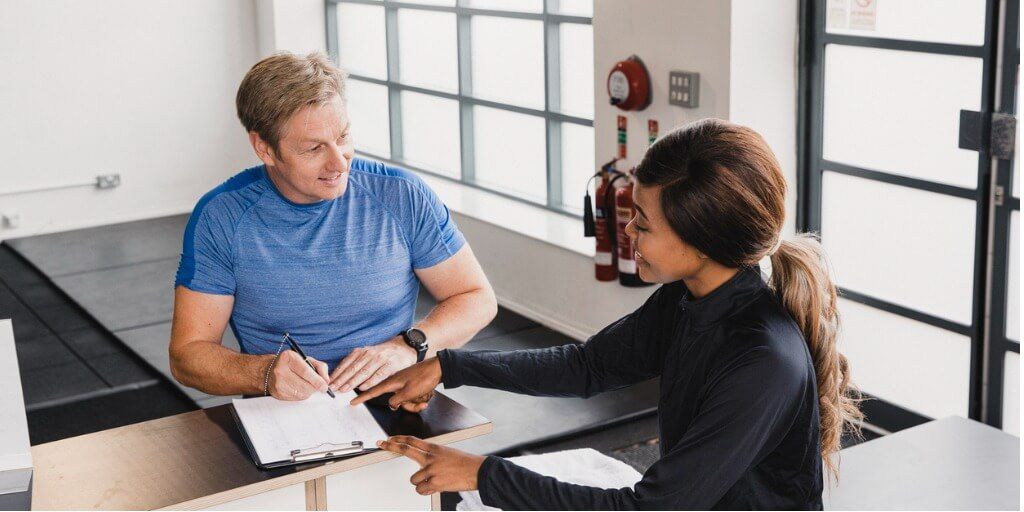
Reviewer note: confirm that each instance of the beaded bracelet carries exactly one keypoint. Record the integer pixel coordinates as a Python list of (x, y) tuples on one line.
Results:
[(270, 367)]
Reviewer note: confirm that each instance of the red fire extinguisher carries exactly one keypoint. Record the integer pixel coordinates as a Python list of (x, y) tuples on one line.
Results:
[(603, 226), (624, 212)]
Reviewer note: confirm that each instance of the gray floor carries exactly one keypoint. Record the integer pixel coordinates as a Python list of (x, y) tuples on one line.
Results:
[(122, 276)]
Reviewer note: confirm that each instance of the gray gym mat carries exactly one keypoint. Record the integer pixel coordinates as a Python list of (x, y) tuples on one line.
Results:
[(125, 297), (103, 247)]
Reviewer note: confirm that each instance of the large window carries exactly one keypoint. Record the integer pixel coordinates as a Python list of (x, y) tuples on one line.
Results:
[(496, 94)]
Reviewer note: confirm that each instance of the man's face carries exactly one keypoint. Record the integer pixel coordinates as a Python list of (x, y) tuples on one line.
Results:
[(315, 152)]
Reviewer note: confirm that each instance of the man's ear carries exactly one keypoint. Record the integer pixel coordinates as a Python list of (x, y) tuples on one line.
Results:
[(263, 149)]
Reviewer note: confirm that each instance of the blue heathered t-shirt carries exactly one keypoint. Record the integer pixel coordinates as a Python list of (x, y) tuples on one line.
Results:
[(336, 274)]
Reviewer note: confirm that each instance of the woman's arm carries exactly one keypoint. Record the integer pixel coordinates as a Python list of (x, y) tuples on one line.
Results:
[(745, 414), (626, 352)]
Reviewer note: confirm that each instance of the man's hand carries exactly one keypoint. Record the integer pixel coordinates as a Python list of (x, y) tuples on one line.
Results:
[(292, 379), (366, 366), (441, 468), (413, 387)]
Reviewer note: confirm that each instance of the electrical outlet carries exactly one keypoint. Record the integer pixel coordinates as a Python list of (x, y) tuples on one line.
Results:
[(683, 88), (108, 180), (10, 220)]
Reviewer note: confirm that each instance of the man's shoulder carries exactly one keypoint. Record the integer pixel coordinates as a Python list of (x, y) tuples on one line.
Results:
[(385, 181), (230, 199)]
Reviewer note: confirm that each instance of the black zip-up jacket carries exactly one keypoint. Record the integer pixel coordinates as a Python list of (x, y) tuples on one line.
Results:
[(738, 408)]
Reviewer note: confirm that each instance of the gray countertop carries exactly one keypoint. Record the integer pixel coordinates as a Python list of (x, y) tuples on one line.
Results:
[(948, 464)]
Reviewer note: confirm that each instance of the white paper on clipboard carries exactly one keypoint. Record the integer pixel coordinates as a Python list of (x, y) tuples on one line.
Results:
[(276, 427)]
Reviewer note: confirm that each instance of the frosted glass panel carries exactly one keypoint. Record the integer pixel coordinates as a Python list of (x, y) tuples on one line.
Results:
[(430, 133), (576, 45), (577, 163), (911, 364), (508, 60), (368, 114), (1011, 393), (576, 7), (907, 246), (362, 46), (899, 112), (508, 5), (940, 21), (449, 3), (511, 153), (1013, 280), (428, 55)]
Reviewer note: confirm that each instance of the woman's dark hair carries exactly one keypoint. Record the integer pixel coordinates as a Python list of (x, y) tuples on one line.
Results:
[(723, 192)]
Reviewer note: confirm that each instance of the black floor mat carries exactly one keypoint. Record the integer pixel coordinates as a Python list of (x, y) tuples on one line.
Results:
[(101, 413)]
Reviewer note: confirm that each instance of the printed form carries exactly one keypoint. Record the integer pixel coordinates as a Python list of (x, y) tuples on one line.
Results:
[(276, 427)]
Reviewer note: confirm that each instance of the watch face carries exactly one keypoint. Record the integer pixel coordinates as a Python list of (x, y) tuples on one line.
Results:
[(415, 337)]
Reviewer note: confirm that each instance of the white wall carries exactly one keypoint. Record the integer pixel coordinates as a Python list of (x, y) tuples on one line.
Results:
[(667, 35), (763, 58), (144, 89), (297, 26)]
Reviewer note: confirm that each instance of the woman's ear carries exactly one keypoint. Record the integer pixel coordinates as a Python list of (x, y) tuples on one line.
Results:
[(263, 150)]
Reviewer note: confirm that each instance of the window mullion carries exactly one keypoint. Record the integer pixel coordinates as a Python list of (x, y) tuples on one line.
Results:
[(394, 93), (466, 133), (552, 102)]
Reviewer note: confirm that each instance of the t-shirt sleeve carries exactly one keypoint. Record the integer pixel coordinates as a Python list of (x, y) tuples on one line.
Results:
[(206, 263), (434, 237)]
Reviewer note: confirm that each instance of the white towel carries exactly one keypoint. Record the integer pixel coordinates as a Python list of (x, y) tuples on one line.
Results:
[(585, 466)]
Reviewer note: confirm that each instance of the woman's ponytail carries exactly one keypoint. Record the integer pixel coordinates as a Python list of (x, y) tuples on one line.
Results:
[(800, 279)]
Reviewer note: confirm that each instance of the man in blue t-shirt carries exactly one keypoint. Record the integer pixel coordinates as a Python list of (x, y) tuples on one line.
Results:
[(319, 244)]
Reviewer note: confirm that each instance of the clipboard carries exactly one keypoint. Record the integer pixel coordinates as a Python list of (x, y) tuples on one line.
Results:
[(301, 456)]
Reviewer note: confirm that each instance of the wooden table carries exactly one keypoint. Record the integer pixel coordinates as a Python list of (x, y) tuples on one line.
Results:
[(948, 464), (198, 460)]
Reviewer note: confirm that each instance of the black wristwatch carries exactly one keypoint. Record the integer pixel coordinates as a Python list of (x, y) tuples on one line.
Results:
[(416, 339)]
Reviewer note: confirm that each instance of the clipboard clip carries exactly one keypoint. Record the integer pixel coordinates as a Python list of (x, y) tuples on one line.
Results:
[(343, 449)]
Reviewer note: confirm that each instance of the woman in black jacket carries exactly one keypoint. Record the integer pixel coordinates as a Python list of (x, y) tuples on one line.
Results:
[(754, 395)]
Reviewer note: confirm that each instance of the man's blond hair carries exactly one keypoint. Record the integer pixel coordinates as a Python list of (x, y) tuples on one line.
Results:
[(282, 84)]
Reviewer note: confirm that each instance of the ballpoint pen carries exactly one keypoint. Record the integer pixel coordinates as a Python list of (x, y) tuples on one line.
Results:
[(295, 347)]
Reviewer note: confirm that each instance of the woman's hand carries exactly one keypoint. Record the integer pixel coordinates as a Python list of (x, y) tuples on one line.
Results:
[(412, 387), (441, 468), (366, 366)]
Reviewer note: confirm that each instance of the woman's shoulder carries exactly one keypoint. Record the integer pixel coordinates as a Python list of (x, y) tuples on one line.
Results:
[(764, 328)]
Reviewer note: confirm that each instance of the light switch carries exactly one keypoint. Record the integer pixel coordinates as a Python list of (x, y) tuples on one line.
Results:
[(683, 88)]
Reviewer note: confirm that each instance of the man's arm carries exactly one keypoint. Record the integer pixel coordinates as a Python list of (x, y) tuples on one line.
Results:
[(466, 304), (199, 360), (465, 301)]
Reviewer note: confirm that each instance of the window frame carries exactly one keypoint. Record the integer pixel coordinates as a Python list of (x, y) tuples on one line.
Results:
[(553, 117)]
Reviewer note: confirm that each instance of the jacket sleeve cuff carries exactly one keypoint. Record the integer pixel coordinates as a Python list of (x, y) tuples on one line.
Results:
[(451, 376), (484, 477)]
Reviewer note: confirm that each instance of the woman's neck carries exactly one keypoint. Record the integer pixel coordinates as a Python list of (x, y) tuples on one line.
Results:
[(709, 278)]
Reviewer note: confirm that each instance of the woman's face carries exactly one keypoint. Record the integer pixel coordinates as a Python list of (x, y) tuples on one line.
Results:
[(661, 256)]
